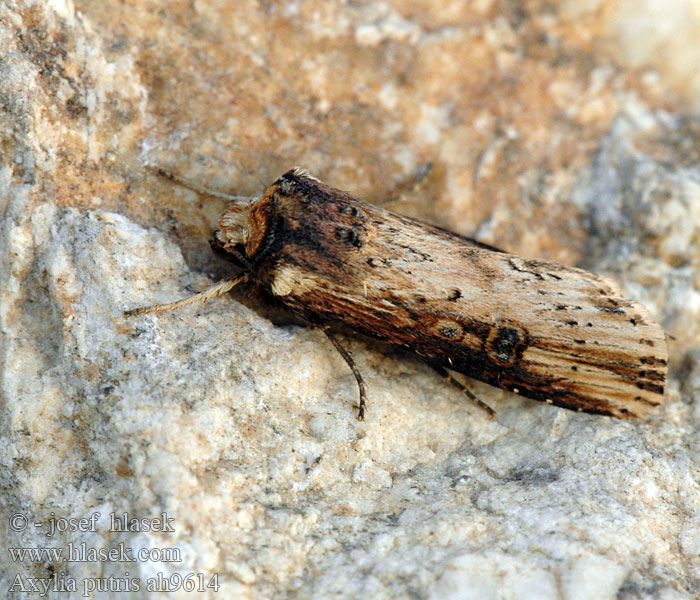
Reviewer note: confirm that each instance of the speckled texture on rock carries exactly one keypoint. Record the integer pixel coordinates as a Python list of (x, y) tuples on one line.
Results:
[(242, 430)]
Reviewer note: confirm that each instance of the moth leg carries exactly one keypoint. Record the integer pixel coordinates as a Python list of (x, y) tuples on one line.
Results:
[(355, 371), (200, 189), (214, 291), (406, 189), (231, 254), (465, 390)]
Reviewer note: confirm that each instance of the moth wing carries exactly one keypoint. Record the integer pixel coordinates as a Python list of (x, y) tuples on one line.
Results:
[(550, 332)]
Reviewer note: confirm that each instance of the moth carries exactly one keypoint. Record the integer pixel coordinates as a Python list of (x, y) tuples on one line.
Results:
[(543, 330)]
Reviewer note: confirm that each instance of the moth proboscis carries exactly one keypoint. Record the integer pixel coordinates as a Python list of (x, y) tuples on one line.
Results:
[(544, 330)]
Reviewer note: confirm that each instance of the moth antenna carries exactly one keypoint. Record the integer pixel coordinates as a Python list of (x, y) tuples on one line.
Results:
[(200, 189), (212, 292)]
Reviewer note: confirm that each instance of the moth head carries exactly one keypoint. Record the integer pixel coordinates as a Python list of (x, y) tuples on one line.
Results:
[(233, 225), (241, 228), (245, 223)]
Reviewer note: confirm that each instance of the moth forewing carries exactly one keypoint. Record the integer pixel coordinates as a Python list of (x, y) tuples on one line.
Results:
[(547, 331)]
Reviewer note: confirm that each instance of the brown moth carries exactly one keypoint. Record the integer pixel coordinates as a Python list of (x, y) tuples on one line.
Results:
[(541, 329)]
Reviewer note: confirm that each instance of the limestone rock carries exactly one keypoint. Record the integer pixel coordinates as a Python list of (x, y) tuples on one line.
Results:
[(235, 432)]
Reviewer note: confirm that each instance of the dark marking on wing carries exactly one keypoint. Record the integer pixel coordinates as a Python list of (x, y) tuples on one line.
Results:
[(506, 344), (415, 252), (652, 360), (650, 387), (348, 209), (515, 267), (349, 236), (611, 309)]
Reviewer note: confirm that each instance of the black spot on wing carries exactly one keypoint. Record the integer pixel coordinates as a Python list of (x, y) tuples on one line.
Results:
[(348, 236), (506, 343), (348, 209)]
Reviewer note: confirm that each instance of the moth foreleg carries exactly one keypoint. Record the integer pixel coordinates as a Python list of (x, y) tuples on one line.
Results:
[(214, 291), (464, 389), (355, 371)]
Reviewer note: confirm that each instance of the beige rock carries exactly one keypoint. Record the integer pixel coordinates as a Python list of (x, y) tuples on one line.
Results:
[(241, 428)]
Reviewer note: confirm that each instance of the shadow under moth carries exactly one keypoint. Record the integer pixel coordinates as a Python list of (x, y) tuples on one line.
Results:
[(534, 327)]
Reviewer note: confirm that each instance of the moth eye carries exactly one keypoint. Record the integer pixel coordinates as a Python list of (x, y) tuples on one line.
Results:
[(348, 236)]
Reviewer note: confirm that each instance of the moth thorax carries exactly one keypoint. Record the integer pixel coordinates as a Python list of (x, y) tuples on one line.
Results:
[(233, 228)]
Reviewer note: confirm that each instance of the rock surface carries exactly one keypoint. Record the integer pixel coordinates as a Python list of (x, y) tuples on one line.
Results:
[(240, 429)]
